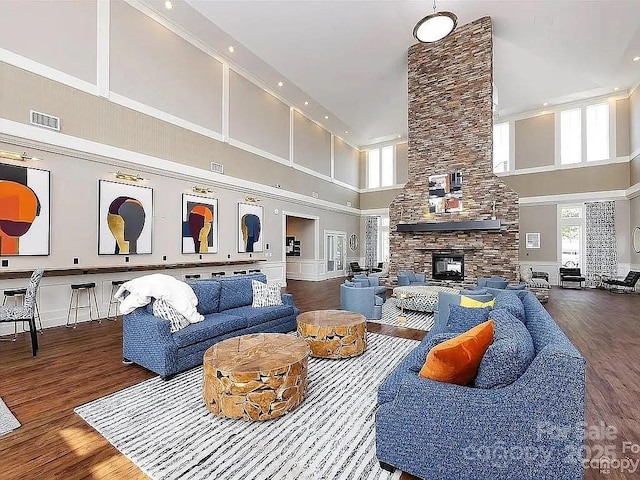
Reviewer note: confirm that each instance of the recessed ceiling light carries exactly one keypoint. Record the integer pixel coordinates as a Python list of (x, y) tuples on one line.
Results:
[(168, 5), (616, 89), (635, 59), (231, 48), (545, 104), (326, 117), (306, 103), (346, 131), (280, 84), (399, 136)]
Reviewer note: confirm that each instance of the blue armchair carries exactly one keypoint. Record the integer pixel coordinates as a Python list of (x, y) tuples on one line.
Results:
[(364, 281), (406, 278), (499, 283), (361, 300)]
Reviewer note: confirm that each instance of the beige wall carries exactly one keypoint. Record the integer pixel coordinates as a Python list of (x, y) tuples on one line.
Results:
[(311, 145), (634, 216), (304, 231), (541, 219), (163, 70), (258, 118), (379, 199), (534, 141), (402, 163), (622, 127), (575, 180), (346, 160), (60, 35), (634, 121)]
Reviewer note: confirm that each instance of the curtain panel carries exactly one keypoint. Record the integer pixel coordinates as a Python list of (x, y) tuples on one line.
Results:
[(371, 241), (601, 253)]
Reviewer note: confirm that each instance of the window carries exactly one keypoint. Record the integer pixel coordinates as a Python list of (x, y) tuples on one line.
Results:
[(501, 147), (570, 136), (383, 239), (597, 132), (571, 230), (570, 212), (381, 167)]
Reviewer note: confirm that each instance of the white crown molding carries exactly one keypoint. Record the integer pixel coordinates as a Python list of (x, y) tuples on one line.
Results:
[(555, 168), (634, 154), (375, 212), (382, 189), (633, 191), (573, 197), (48, 72), (166, 117), (98, 152)]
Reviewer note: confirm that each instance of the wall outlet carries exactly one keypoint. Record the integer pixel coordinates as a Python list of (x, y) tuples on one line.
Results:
[(126, 259), (200, 257), (5, 263), (164, 258), (75, 261)]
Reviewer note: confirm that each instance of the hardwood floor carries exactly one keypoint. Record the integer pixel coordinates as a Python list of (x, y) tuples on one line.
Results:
[(76, 366)]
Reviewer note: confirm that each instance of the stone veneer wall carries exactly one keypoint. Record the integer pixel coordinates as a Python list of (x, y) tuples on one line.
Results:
[(451, 130)]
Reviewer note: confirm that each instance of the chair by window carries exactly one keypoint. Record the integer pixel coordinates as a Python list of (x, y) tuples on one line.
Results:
[(26, 312), (571, 275), (356, 268), (626, 285)]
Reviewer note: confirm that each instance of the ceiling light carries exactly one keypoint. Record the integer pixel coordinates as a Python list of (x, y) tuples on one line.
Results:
[(635, 59), (545, 104), (280, 84), (399, 136), (231, 49), (306, 103), (346, 131), (168, 5), (616, 89), (326, 117), (435, 27)]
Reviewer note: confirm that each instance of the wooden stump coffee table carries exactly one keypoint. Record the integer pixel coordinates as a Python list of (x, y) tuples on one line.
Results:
[(255, 377), (333, 333)]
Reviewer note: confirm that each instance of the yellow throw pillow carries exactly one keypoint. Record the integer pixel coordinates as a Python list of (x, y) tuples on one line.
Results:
[(457, 360), (473, 303)]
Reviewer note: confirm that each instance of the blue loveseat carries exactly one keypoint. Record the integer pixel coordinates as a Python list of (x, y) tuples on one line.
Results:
[(407, 278), (530, 429), (226, 306)]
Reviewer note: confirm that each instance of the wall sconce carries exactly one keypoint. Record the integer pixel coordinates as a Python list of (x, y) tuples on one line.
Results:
[(128, 176), (16, 156), (251, 199), (202, 190)]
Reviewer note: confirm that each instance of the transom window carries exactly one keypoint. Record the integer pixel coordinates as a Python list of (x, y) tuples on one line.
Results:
[(381, 167), (584, 134)]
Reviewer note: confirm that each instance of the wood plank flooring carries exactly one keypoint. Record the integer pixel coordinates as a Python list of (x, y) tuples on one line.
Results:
[(76, 366)]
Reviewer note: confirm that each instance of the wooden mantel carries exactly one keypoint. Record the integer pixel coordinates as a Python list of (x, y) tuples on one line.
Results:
[(449, 226)]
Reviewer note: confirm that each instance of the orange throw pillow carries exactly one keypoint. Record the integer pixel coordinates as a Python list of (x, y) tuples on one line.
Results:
[(457, 360)]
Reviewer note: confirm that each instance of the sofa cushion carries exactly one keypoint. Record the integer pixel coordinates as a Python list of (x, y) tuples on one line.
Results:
[(457, 360), (208, 293), (410, 276), (213, 325), (235, 293), (519, 286), (258, 315), (462, 319), (496, 284), (163, 309), (510, 302), (510, 354)]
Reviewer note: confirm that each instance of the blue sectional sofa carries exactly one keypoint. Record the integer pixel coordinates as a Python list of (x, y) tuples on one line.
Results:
[(226, 306), (529, 429)]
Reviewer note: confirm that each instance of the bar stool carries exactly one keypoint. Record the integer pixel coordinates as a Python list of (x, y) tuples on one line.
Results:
[(218, 274), (17, 296), (255, 271), (115, 284), (90, 288), (194, 276), (240, 272)]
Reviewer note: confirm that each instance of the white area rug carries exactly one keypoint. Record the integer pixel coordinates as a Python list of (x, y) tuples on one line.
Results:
[(418, 320), (8, 422), (165, 429)]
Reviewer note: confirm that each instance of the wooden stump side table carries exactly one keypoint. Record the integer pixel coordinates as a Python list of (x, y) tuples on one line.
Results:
[(333, 333), (255, 377)]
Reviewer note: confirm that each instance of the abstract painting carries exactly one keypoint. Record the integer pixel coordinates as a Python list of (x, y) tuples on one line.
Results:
[(24, 210), (249, 228), (125, 218), (199, 224), (445, 193)]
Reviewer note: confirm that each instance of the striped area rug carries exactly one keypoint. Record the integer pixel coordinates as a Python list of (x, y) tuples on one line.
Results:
[(418, 320), (165, 429), (8, 422)]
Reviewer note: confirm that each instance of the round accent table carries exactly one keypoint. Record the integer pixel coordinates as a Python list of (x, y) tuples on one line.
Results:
[(421, 298), (255, 377), (333, 333)]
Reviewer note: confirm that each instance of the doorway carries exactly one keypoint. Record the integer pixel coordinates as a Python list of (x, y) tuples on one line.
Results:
[(300, 246), (335, 253)]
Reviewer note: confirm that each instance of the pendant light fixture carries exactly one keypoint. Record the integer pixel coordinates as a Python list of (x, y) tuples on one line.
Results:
[(435, 27)]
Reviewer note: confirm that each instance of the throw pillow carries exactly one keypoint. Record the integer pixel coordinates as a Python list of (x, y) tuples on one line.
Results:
[(457, 360), (265, 295), (163, 309), (526, 274), (473, 303), (462, 319), (510, 354)]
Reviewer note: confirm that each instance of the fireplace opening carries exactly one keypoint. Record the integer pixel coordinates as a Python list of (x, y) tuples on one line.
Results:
[(447, 266)]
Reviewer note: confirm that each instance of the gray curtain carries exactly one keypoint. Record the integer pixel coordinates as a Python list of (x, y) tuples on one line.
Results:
[(371, 241), (601, 255)]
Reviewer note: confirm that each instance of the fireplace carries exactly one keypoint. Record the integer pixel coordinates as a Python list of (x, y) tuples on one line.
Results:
[(447, 266)]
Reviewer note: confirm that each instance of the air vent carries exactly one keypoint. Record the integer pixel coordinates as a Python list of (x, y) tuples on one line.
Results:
[(217, 167), (44, 120)]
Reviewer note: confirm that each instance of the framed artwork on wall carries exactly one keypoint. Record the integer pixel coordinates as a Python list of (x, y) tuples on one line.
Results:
[(445, 193), (250, 228), (199, 224), (25, 226), (125, 218), (532, 240)]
